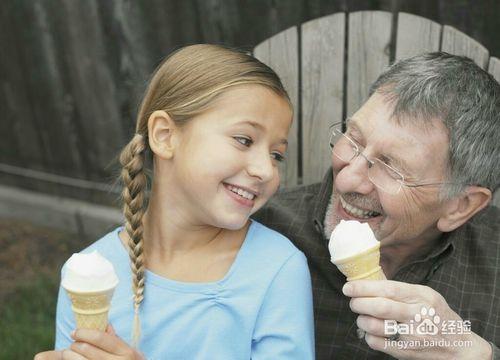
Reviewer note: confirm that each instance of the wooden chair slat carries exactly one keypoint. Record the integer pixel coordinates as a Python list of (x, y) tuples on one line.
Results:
[(457, 43), (416, 35), (368, 53), (323, 44), (494, 68), (282, 54)]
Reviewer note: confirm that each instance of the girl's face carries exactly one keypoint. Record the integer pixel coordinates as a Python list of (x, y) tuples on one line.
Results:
[(225, 165)]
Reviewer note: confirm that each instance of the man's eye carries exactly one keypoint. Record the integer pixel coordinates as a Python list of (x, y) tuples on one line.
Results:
[(243, 140), (277, 156)]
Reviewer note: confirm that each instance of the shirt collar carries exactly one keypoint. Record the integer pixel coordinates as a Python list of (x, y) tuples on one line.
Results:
[(444, 243), (321, 200)]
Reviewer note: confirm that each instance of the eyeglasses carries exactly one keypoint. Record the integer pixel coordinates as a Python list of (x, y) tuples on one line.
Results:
[(382, 175)]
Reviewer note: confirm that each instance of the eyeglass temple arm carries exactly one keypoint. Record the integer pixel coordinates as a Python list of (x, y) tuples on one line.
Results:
[(427, 184)]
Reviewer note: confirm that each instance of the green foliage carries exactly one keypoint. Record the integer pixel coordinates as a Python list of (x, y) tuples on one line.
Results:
[(27, 318)]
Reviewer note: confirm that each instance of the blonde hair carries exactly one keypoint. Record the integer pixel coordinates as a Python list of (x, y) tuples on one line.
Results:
[(184, 85)]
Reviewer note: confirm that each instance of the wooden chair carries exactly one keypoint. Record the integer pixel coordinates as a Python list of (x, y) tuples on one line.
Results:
[(328, 64)]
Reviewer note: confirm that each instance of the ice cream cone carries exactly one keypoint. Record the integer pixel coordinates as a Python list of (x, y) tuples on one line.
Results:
[(364, 265), (91, 308), (90, 280)]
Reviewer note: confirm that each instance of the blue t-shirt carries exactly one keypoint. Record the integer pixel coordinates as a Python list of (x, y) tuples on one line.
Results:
[(261, 309)]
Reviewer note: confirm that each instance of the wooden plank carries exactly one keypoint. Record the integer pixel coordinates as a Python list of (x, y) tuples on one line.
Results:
[(20, 143), (368, 53), (494, 68), (280, 52), (416, 35), (457, 43), (323, 43), (96, 107)]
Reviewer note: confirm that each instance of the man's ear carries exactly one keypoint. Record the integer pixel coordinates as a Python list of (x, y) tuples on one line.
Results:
[(459, 210), (162, 133)]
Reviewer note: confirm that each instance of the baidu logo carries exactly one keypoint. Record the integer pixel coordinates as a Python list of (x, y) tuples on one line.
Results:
[(427, 322), (427, 326), (424, 323)]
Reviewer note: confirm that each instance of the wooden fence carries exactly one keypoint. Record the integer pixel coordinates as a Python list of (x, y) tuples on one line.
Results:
[(73, 71)]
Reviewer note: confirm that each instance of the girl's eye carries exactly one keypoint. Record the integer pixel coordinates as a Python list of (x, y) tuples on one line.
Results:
[(243, 140), (278, 157)]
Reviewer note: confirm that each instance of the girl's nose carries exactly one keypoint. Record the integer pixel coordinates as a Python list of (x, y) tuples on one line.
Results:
[(261, 166)]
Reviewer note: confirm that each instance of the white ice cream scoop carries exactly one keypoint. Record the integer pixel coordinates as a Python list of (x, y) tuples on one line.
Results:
[(349, 238), (89, 272)]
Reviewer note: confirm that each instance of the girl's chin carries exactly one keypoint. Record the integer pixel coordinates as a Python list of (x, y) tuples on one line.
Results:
[(232, 222)]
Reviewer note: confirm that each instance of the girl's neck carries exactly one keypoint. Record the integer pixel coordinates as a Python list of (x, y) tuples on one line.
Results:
[(190, 253)]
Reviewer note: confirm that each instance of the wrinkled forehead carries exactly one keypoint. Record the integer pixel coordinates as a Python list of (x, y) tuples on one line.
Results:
[(411, 139), (380, 110)]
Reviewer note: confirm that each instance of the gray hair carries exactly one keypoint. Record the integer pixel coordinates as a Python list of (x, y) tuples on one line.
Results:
[(465, 97)]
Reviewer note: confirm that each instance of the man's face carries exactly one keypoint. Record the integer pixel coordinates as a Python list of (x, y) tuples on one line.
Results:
[(419, 152)]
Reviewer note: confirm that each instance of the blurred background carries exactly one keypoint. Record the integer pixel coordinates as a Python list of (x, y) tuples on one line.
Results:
[(72, 73)]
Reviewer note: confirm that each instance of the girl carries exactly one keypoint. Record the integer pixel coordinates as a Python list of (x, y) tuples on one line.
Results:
[(207, 282)]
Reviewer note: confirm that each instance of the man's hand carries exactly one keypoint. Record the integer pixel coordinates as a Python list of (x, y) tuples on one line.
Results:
[(377, 301)]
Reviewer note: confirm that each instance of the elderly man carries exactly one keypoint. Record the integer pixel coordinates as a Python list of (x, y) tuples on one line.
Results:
[(418, 162)]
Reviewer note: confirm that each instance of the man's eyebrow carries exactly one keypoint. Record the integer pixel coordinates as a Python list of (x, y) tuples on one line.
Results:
[(259, 127), (351, 122), (397, 163)]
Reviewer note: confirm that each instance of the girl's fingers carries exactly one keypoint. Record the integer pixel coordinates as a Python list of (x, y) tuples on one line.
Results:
[(88, 351), (108, 343), (110, 330), (71, 355), (49, 355)]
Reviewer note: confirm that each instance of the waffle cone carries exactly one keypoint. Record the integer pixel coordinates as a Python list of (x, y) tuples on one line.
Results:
[(364, 265), (91, 308)]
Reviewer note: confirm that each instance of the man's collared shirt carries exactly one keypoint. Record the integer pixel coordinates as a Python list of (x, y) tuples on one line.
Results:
[(464, 269)]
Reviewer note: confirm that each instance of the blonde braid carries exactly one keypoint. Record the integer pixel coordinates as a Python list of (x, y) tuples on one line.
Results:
[(132, 159)]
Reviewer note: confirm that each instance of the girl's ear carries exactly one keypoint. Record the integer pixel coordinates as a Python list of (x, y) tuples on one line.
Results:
[(162, 134)]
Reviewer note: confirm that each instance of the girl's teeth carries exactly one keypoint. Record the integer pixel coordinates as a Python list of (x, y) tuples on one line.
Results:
[(242, 192)]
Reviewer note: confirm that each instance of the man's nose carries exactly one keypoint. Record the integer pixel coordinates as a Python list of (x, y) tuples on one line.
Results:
[(260, 165), (353, 176)]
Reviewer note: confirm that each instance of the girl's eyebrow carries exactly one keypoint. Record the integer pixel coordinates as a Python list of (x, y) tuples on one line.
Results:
[(259, 127)]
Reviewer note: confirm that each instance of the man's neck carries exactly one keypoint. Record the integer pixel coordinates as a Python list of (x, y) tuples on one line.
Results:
[(396, 256)]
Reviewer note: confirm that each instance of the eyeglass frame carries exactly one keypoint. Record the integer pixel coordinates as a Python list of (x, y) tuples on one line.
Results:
[(371, 162)]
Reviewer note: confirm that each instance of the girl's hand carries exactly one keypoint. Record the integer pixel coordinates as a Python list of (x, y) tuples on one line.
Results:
[(94, 344), (49, 355)]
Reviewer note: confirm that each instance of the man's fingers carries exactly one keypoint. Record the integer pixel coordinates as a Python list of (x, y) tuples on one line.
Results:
[(379, 343), (382, 308), (371, 325), (395, 290)]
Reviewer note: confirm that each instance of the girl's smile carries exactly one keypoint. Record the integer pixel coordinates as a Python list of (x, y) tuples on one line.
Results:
[(242, 196)]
